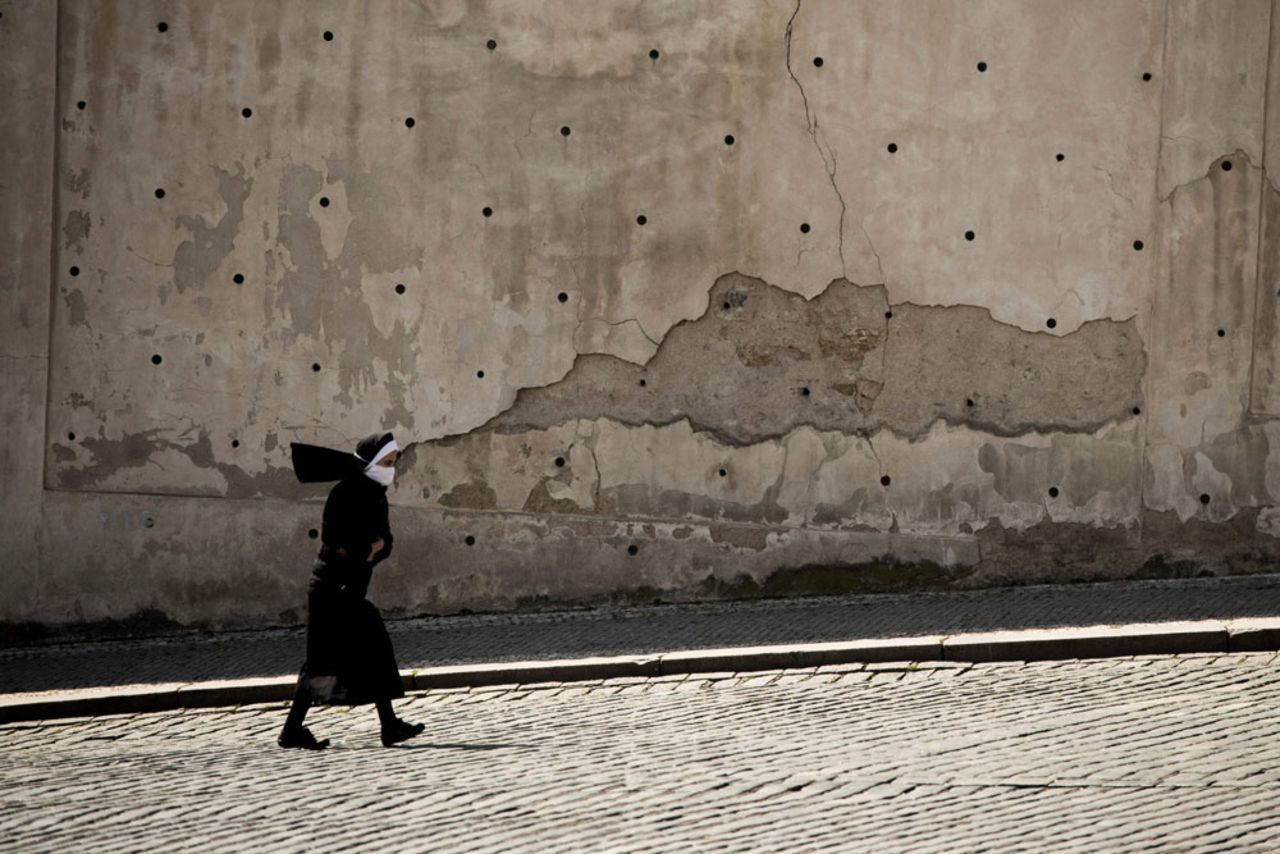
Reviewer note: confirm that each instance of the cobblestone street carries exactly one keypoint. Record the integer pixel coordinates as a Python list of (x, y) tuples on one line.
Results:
[(1180, 753)]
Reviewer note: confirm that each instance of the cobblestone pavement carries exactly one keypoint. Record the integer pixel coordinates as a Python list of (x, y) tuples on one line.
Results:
[(423, 643), (1175, 753)]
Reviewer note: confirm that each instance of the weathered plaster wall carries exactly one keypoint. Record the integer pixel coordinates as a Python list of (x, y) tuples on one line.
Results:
[(667, 299)]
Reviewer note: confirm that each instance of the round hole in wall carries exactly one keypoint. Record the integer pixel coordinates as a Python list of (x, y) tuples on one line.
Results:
[(328, 35), (159, 192), (892, 147), (968, 401), (1137, 410), (884, 480), (162, 27), (726, 302), (315, 366), (470, 540), (1060, 157), (817, 62), (1137, 245), (653, 54), (491, 44), (728, 140), (805, 391), (969, 235), (313, 533), (75, 271), (247, 112), (324, 201), (1051, 323), (480, 374), (641, 220), (559, 462), (156, 359), (1204, 498), (235, 443), (71, 436), (409, 121), (487, 212), (562, 296), (982, 66), (888, 314), (1226, 166), (1053, 492), (724, 472), (399, 288), (633, 549), (80, 105), (642, 382), (1222, 333), (238, 278), (564, 131), (1146, 75), (804, 228)]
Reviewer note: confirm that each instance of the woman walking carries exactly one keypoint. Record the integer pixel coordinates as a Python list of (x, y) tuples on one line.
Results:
[(349, 656)]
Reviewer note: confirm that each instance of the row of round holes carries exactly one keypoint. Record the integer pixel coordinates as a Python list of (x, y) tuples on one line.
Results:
[(560, 461), (238, 278), (805, 227), (409, 121), (470, 540)]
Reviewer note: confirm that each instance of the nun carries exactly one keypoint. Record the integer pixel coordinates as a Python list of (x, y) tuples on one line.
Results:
[(349, 657)]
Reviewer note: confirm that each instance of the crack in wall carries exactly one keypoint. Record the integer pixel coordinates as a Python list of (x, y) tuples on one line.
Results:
[(828, 156)]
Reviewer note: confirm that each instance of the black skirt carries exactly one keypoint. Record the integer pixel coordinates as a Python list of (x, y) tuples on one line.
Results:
[(349, 656)]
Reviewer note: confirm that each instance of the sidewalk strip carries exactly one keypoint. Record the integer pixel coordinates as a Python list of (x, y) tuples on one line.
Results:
[(1075, 642)]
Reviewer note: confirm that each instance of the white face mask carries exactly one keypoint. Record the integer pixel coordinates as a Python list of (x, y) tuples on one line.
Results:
[(382, 474)]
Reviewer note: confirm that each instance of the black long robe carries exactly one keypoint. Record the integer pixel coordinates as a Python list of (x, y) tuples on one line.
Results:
[(349, 656)]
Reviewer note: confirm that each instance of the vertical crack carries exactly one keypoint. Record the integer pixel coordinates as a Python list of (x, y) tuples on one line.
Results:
[(828, 156), (879, 266)]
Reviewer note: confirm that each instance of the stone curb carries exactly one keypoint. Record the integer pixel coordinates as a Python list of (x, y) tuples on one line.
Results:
[(1257, 635)]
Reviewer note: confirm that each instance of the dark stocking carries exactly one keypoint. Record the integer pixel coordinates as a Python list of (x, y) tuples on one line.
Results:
[(386, 716), (301, 703)]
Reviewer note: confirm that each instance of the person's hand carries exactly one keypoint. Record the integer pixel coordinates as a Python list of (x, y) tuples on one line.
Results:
[(377, 547)]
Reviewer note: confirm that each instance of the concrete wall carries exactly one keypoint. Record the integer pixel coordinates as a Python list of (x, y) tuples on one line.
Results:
[(666, 299)]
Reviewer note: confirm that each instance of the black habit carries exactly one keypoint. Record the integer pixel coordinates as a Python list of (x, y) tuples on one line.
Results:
[(349, 656)]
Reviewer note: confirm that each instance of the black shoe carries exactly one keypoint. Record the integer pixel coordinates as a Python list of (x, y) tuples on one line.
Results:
[(400, 731), (300, 737)]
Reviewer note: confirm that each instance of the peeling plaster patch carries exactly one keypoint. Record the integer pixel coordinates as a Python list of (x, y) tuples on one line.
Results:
[(755, 359), (75, 230), (76, 308), (473, 496), (120, 464), (541, 500), (1078, 467), (196, 259), (80, 182), (741, 536), (322, 298)]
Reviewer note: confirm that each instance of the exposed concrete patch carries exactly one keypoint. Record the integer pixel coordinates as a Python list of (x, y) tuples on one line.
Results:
[(758, 348), (541, 500), (198, 257), (75, 307), (75, 230), (473, 496), (744, 537), (114, 463)]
